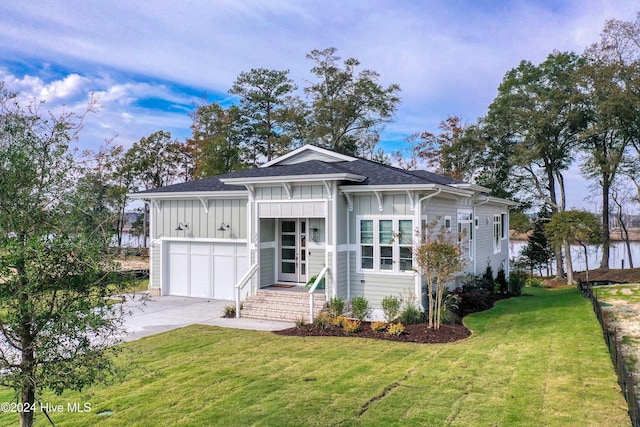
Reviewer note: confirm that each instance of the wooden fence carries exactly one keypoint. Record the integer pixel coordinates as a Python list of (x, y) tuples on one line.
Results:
[(625, 378)]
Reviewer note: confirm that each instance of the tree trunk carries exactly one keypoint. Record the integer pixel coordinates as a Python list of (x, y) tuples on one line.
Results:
[(625, 236), (606, 242), (28, 387), (567, 250), (586, 261)]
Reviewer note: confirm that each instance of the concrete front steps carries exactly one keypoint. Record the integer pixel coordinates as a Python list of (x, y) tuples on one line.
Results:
[(283, 304)]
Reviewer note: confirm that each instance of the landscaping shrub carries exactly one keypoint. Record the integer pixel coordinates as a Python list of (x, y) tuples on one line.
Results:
[(395, 329), (517, 281), (336, 306), (322, 320), (300, 323), (351, 325), (230, 310), (450, 305), (486, 281), (391, 308), (534, 282), (410, 315), (501, 282), (360, 308), (378, 326)]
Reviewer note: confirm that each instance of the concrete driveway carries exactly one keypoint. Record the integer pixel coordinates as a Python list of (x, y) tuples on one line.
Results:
[(153, 315)]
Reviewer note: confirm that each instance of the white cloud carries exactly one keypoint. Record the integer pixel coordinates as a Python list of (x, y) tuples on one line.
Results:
[(448, 57)]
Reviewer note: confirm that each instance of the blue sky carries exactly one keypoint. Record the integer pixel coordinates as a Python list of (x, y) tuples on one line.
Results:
[(149, 61)]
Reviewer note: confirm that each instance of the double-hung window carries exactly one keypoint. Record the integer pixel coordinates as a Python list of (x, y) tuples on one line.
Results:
[(385, 244)]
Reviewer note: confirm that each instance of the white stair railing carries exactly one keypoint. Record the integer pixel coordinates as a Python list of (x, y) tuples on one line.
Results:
[(319, 278), (241, 284)]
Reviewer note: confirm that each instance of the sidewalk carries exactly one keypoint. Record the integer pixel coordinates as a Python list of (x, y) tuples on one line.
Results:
[(153, 315)]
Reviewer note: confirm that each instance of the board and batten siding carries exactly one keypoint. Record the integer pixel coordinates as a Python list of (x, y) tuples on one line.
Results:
[(202, 224), (298, 192), (156, 265)]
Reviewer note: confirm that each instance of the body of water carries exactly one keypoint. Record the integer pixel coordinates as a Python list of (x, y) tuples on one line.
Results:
[(618, 257)]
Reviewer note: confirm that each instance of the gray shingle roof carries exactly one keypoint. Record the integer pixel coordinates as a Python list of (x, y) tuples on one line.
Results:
[(206, 184), (376, 173)]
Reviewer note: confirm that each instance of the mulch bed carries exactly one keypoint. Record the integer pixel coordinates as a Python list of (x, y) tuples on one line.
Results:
[(418, 333)]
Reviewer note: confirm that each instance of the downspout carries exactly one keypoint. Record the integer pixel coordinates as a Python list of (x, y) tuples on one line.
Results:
[(152, 233), (348, 254), (475, 252), (418, 209)]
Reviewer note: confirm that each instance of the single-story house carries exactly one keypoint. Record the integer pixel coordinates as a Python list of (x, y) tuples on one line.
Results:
[(315, 212)]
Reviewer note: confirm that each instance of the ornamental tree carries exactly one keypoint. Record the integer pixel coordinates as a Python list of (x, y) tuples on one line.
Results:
[(438, 259)]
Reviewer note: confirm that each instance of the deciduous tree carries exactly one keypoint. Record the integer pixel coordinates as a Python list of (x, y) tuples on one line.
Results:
[(57, 327), (574, 227), (438, 258)]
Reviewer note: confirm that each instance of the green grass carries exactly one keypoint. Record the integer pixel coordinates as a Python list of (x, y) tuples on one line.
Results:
[(536, 360)]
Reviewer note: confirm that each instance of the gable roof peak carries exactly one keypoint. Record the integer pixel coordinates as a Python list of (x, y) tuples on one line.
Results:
[(306, 152)]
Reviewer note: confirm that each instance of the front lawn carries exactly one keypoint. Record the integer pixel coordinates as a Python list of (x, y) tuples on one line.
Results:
[(532, 361)]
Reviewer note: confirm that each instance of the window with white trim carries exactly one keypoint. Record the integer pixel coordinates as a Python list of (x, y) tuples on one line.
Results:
[(385, 244), (465, 232), (504, 225), (497, 233), (366, 244)]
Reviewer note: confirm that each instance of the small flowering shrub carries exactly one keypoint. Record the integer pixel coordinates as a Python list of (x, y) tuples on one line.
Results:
[(378, 326), (351, 326), (395, 329)]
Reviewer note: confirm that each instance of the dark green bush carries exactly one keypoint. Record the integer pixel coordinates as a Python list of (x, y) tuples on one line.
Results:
[(501, 282), (410, 315), (517, 281)]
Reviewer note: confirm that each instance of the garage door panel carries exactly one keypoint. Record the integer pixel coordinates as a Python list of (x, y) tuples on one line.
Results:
[(200, 275), (223, 277), (178, 279)]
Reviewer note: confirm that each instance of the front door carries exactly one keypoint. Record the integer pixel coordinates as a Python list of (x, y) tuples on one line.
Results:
[(293, 251)]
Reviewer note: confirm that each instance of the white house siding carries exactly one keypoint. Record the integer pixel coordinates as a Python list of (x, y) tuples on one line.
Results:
[(341, 274), (154, 279), (375, 286), (202, 224), (485, 254)]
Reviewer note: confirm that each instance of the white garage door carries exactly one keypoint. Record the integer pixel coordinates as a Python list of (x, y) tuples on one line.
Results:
[(204, 270)]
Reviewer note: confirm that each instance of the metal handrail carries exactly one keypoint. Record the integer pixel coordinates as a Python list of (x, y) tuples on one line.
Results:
[(319, 278), (242, 283)]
